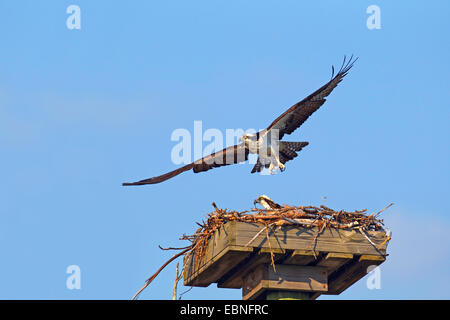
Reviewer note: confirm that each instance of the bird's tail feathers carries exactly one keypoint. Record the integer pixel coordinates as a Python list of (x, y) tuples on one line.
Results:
[(294, 146), (288, 150)]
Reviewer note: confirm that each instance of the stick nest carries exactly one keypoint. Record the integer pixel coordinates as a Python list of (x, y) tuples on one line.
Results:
[(304, 216)]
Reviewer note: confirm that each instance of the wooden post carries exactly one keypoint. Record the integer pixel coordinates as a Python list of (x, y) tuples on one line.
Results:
[(289, 278), (287, 295)]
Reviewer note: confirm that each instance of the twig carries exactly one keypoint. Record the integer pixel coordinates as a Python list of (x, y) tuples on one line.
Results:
[(172, 248), (270, 248), (183, 293), (175, 284), (365, 235), (382, 210), (298, 221), (260, 231), (388, 238), (319, 231), (149, 280)]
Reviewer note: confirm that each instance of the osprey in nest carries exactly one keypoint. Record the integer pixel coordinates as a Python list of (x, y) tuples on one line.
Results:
[(272, 152), (267, 203)]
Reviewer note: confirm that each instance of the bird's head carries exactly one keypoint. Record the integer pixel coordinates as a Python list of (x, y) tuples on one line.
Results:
[(247, 137), (261, 197)]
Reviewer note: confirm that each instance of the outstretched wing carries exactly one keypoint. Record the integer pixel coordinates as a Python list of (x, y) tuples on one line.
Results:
[(300, 112), (231, 155), (160, 178)]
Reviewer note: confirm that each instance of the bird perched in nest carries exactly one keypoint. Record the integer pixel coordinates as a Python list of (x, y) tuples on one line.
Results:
[(272, 152), (267, 203)]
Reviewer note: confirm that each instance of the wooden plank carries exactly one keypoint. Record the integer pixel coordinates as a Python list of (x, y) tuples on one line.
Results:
[(301, 257), (330, 240), (219, 241), (234, 279), (216, 267), (333, 261), (286, 277), (352, 272)]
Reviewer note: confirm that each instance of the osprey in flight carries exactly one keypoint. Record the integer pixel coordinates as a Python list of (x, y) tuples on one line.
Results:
[(272, 153)]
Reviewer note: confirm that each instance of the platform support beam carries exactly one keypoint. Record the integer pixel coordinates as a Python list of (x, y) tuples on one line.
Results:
[(284, 282)]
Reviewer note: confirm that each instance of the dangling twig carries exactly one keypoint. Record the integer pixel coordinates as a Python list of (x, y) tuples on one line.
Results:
[(149, 280), (270, 248), (259, 232), (175, 284), (365, 235), (183, 293)]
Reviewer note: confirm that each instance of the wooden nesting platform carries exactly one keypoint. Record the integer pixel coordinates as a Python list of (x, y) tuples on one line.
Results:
[(305, 264)]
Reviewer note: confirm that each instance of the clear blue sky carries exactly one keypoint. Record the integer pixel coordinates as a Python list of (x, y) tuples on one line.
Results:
[(82, 111)]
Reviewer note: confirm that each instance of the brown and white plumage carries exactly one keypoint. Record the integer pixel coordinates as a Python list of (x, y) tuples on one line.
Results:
[(227, 156), (287, 151), (272, 153), (296, 115), (267, 203)]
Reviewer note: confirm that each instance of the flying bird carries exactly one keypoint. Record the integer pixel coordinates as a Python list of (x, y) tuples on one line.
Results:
[(272, 152), (267, 203)]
